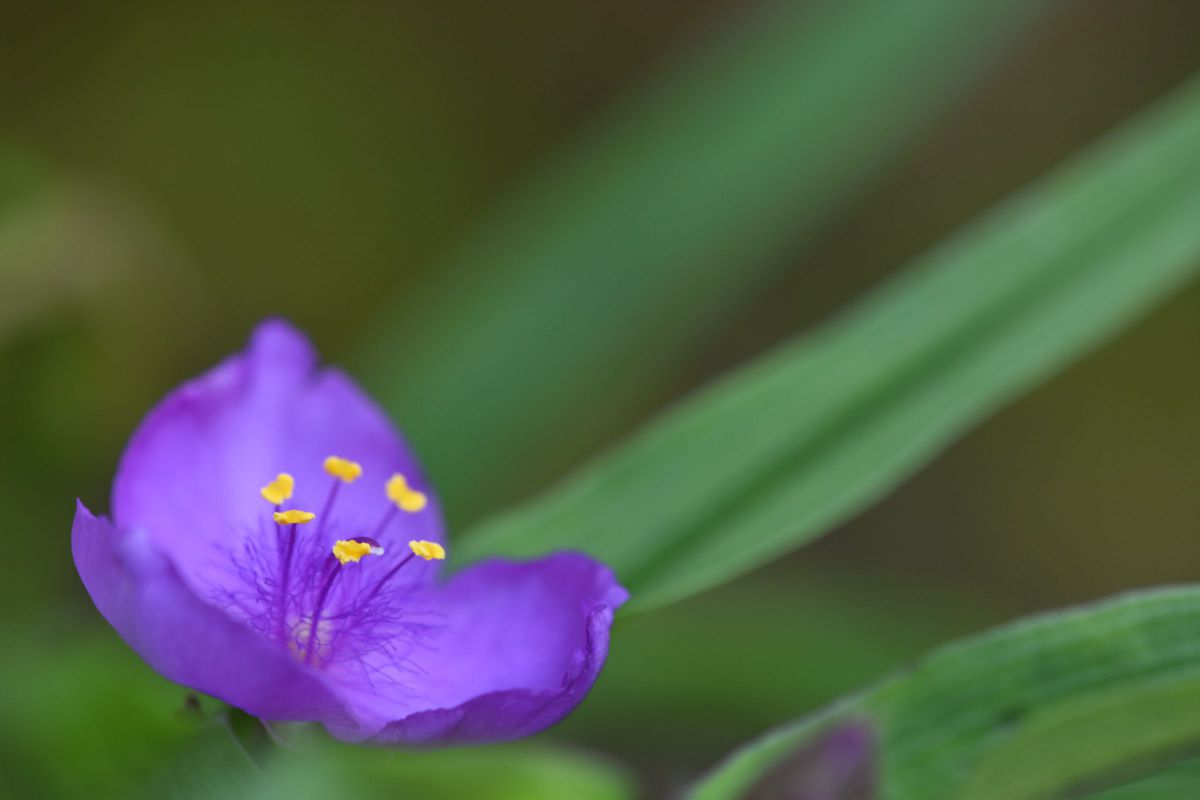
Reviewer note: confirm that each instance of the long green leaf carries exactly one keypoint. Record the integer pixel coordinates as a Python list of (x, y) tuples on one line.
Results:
[(785, 449), (561, 314), (1055, 704), (1179, 781)]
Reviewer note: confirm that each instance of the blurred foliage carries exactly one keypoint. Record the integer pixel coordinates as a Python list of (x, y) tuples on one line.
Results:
[(169, 174), (1180, 780), (658, 224), (1042, 708), (85, 719), (795, 442), (826, 631), (230, 760)]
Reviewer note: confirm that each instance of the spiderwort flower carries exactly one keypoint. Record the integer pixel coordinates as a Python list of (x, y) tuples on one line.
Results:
[(274, 544)]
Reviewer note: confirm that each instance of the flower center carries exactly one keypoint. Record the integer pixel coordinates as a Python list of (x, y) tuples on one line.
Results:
[(307, 620)]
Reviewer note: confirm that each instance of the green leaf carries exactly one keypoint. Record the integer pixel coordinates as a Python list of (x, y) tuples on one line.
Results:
[(1178, 781), (560, 315), (522, 771), (784, 449), (1059, 703), (218, 766), (215, 766), (83, 716)]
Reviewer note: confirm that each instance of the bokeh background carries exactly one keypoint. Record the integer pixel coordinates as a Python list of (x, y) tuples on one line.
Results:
[(171, 173)]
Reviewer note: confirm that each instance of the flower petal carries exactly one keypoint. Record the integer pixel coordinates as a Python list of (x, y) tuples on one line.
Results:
[(141, 594), (191, 474), (521, 646)]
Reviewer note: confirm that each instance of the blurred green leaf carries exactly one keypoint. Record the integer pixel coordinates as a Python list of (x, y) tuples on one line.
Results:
[(865, 625), (1063, 744), (561, 313), (215, 766), (218, 767), (1052, 704), (792, 445), (1179, 781), (521, 771), (84, 717), (76, 243)]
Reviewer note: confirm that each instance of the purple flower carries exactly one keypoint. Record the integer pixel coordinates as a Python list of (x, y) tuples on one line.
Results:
[(274, 544)]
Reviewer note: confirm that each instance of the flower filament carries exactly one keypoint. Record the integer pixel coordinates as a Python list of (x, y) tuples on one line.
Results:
[(309, 635)]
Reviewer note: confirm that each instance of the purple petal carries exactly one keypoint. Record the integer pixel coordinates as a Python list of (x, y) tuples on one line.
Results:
[(191, 473), (521, 646), (142, 595)]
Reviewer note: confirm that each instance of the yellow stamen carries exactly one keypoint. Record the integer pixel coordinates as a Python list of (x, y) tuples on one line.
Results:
[(294, 517), (349, 551), (278, 490), (408, 499), (343, 469), (428, 550)]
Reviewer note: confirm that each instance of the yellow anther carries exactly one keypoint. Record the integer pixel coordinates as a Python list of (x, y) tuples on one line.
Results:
[(349, 551), (343, 469), (279, 489), (407, 498), (428, 550), (294, 517)]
